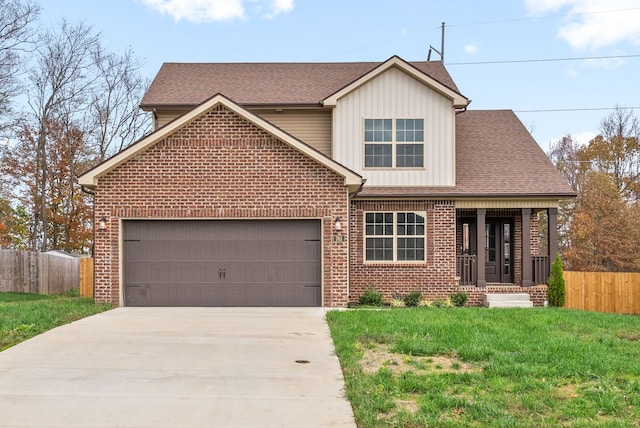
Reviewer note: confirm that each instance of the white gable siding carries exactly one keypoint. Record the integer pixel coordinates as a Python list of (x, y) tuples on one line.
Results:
[(394, 94)]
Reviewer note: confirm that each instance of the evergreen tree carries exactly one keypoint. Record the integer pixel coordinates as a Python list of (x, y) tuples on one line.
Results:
[(556, 292)]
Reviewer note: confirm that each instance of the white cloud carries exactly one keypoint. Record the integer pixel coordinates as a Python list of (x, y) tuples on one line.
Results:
[(606, 64), (539, 7), (199, 10), (583, 138), (592, 24), (471, 48), (280, 6), (216, 10)]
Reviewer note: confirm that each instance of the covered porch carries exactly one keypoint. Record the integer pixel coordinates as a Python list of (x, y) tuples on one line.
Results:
[(501, 246)]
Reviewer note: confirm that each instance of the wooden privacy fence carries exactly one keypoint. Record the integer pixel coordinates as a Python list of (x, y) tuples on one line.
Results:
[(86, 277), (40, 273), (613, 292)]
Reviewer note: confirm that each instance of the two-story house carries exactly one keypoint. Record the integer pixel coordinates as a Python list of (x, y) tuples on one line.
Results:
[(305, 184)]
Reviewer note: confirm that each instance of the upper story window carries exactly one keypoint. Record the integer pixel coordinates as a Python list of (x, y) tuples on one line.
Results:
[(390, 143)]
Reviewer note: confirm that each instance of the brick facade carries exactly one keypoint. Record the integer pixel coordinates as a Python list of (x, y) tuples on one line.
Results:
[(435, 278), (221, 166)]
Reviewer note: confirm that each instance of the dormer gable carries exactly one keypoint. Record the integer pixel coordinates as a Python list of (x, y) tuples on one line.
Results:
[(458, 100), (395, 126)]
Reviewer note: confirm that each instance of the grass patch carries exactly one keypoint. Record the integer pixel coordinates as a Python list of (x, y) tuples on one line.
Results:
[(478, 367), (23, 316)]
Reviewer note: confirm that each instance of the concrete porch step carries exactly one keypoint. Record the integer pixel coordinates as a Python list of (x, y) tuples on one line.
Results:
[(507, 300)]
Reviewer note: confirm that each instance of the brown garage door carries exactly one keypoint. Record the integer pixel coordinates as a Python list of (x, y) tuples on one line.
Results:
[(222, 263)]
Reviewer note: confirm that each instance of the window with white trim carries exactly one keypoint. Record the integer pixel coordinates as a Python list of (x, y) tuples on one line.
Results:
[(390, 143), (395, 236)]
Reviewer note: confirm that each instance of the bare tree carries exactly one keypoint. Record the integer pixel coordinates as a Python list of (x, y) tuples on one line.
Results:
[(616, 151), (599, 230), (17, 33), (620, 123), (74, 88), (564, 155), (115, 118), (61, 78)]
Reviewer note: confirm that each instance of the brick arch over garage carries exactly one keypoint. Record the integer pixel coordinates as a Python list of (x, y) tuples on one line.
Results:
[(221, 166)]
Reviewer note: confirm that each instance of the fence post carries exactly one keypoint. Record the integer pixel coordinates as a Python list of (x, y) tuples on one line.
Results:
[(86, 277)]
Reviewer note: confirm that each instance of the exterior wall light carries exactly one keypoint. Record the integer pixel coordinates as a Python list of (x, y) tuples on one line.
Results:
[(102, 224), (337, 224)]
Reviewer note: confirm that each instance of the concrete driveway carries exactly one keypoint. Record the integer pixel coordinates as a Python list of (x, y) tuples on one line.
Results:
[(178, 367)]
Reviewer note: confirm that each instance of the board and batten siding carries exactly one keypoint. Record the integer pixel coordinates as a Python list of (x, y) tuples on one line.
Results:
[(313, 127), (395, 94)]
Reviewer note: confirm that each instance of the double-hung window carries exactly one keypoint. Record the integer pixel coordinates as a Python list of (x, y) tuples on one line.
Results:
[(390, 143), (395, 236)]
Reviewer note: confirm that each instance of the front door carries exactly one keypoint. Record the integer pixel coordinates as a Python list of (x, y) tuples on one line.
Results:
[(499, 251)]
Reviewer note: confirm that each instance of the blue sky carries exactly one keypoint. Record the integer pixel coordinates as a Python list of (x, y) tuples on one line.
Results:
[(481, 39)]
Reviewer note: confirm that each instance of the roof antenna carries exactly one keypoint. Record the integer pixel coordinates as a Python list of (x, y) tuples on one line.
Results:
[(439, 52)]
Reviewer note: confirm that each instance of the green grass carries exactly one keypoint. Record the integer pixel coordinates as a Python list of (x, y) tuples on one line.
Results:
[(23, 316), (476, 367)]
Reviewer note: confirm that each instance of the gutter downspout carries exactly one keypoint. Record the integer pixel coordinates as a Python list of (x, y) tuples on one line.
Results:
[(351, 195), (463, 109), (359, 189)]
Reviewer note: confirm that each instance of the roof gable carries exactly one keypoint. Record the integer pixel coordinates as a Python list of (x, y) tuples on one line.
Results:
[(90, 178), (457, 99)]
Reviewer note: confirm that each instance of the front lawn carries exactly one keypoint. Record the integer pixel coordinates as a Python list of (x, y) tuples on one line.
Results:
[(451, 367), (23, 316)]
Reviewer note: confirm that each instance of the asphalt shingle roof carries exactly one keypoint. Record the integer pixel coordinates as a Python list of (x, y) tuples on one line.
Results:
[(189, 84), (495, 156)]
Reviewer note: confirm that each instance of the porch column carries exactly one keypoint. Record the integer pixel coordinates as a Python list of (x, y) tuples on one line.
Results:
[(552, 217), (527, 268), (481, 214)]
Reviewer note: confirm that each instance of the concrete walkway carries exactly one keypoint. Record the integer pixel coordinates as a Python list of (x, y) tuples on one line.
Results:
[(178, 367)]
